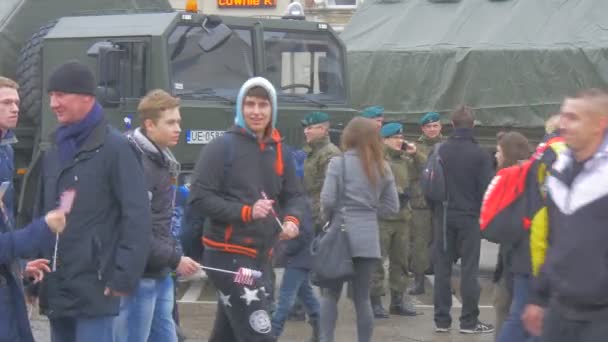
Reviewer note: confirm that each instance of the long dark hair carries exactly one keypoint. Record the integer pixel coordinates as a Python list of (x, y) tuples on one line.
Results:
[(515, 147), (362, 135)]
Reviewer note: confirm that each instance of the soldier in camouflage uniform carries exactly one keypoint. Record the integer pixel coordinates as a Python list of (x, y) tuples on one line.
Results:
[(421, 213), (319, 151), (394, 231)]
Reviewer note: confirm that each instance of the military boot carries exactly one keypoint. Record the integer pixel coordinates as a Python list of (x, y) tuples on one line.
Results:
[(418, 287), (401, 307), (377, 308), (316, 328)]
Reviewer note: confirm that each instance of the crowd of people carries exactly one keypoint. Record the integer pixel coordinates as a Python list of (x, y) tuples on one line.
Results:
[(105, 265)]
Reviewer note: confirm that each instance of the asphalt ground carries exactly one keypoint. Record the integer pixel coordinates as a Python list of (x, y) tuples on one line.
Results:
[(197, 305)]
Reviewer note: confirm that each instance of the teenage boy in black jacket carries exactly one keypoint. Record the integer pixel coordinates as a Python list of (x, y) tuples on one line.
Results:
[(147, 314), (240, 181)]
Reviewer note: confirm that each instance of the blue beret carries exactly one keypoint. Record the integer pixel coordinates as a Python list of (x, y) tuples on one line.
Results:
[(390, 129), (372, 112), (429, 117), (315, 118)]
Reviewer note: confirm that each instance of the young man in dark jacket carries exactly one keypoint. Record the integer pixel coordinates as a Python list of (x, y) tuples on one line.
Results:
[(14, 244), (573, 281), (240, 181), (147, 314), (103, 250), (468, 171)]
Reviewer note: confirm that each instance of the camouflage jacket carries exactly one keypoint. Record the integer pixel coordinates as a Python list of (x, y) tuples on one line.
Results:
[(401, 166), (424, 146), (318, 154)]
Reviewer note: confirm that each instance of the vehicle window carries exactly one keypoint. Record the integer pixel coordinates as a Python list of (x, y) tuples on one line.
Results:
[(307, 64), (220, 72)]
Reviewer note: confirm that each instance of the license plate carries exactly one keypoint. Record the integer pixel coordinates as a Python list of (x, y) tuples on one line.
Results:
[(201, 137)]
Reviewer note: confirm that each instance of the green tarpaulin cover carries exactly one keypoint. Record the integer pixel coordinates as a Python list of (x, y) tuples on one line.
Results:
[(513, 61)]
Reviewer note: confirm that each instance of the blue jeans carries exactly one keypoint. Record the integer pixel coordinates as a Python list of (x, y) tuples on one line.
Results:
[(296, 283), (147, 314), (100, 329), (513, 329)]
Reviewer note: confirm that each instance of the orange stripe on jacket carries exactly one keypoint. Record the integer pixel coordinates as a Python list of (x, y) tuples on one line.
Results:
[(230, 248)]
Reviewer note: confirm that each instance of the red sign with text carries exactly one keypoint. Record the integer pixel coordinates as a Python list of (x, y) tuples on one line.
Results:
[(246, 3)]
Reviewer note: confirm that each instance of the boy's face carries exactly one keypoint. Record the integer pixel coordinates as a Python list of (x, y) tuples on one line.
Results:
[(9, 108), (165, 132), (257, 112)]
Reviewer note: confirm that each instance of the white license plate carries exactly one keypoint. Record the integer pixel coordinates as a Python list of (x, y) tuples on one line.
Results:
[(202, 137)]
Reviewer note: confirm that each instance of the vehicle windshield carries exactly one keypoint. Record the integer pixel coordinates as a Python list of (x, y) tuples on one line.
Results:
[(217, 73), (308, 65)]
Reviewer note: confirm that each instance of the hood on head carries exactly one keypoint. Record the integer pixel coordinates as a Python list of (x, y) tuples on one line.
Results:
[(239, 120)]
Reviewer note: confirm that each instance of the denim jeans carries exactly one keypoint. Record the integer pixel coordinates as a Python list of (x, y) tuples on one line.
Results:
[(296, 283), (99, 329), (513, 329), (147, 314)]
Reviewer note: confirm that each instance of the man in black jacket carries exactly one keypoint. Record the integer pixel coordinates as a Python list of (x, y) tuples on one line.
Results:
[(468, 171), (240, 181), (103, 250), (148, 312)]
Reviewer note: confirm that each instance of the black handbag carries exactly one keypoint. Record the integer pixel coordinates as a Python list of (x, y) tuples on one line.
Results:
[(332, 260)]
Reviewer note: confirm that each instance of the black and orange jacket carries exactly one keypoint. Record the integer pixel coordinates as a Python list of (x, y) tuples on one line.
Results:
[(226, 195)]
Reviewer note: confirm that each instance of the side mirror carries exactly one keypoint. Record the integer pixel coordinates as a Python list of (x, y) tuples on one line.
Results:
[(109, 61), (214, 37)]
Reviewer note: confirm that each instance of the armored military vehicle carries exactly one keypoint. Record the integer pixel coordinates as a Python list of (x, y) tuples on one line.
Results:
[(144, 44), (511, 60)]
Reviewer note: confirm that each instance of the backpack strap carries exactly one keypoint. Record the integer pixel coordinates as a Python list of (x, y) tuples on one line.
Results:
[(228, 156)]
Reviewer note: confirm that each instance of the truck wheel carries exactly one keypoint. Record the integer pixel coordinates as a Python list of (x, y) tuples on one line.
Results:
[(29, 74)]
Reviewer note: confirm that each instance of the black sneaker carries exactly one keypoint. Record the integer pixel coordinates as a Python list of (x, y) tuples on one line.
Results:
[(479, 328)]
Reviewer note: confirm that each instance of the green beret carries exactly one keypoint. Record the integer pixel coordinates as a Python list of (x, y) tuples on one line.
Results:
[(390, 129), (372, 112), (429, 117), (314, 118)]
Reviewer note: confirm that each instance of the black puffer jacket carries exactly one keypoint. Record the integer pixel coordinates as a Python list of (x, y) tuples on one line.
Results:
[(160, 168)]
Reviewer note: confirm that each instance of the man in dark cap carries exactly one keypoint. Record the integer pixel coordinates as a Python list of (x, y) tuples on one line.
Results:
[(422, 230), (104, 248), (375, 113)]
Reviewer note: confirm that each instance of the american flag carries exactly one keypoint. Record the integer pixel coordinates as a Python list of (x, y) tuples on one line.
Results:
[(246, 276)]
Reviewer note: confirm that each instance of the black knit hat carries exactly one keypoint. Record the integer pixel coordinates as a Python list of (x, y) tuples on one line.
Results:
[(72, 77)]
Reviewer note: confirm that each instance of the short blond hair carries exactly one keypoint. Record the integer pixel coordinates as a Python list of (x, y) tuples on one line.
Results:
[(154, 103), (552, 124), (6, 82)]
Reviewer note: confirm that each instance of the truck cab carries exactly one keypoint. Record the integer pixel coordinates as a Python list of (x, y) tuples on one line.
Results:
[(203, 60)]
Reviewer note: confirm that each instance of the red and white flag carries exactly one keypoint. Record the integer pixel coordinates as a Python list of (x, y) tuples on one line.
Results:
[(66, 201)]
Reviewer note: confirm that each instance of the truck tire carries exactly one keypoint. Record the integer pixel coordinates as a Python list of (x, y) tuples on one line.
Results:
[(29, 74)]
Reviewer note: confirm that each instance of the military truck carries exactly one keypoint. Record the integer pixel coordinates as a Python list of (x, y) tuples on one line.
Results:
[(513, 61), (203, 59)]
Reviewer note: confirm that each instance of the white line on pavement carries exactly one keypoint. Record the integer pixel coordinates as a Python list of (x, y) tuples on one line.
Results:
[(455, 302)]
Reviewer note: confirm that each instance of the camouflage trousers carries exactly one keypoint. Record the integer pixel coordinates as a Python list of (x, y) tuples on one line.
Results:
[(421, 237), (394, 246)]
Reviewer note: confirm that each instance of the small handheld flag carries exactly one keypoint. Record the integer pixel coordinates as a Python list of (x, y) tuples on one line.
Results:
[(243, 275)]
